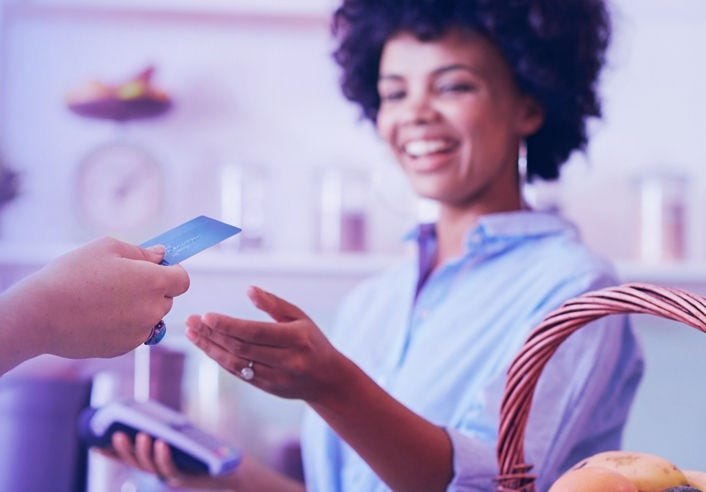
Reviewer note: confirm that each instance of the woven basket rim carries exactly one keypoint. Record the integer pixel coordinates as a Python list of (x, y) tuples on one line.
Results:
[(527, 366)]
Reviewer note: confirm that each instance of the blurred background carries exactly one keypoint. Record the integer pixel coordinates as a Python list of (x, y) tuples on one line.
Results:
[(231, 108)]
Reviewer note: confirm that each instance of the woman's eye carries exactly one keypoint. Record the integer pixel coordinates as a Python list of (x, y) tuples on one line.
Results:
[(391, 95), (456, 88)]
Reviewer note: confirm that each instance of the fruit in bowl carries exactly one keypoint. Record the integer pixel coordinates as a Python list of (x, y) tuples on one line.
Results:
[(140, 86), (92, 90), (134, 98)]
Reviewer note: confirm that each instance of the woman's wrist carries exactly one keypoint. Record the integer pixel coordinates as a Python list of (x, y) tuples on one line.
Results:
[(338, 392)]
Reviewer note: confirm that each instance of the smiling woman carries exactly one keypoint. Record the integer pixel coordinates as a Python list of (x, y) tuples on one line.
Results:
[(403, 392)]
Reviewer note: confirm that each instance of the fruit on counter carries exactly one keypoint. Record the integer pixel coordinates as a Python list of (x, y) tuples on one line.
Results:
[(139, 86), (593, 479), (696, 479), (649, 473)]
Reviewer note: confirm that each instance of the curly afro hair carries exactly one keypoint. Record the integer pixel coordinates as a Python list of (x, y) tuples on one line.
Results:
[(555, 48)]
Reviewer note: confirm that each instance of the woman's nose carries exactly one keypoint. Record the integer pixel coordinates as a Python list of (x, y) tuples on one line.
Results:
[(419, 109)]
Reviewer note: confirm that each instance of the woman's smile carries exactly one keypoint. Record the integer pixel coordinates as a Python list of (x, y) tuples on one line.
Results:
[(423, 155)]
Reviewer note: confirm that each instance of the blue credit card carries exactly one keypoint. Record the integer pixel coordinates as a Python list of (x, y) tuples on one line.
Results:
[(191, 237)]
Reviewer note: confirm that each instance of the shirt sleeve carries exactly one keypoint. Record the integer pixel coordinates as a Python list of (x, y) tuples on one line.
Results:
[(475, 464), (579, 408)]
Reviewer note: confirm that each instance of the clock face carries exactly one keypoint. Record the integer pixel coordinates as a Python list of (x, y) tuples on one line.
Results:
[(119, 189)]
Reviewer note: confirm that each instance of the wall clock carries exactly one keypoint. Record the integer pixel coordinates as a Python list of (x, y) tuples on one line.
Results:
[(119, 189)]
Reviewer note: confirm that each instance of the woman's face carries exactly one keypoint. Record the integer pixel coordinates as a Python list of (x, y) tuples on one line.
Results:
[(453, 117)]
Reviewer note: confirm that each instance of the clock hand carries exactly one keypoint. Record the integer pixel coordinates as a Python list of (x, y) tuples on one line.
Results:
[(123, 189)]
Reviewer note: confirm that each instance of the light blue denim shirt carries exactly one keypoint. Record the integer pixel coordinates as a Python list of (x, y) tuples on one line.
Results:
[(444, 353)]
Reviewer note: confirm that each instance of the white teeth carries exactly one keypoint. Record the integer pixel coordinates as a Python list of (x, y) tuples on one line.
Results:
[(417, 148)]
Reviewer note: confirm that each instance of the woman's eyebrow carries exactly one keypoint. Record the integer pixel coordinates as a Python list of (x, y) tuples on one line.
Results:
[(436, 72), (383, 76), (456, 66)]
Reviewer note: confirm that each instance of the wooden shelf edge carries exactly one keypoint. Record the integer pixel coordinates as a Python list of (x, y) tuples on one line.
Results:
[(223, 260), (672, 273), (304, 17)]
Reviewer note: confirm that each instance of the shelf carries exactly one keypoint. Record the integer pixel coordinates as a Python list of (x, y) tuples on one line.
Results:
[(230, 261), (226, 260), (310, 264), (314, 12), (669, 273)]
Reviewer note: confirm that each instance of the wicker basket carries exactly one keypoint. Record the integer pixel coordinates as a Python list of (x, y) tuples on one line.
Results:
[(514, 474)]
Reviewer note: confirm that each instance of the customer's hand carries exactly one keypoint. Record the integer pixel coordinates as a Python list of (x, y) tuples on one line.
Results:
[(100, 300)]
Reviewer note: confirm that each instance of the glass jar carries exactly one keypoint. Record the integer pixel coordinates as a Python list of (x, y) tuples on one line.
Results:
[(343, 210), (662, 222), (244, 203)]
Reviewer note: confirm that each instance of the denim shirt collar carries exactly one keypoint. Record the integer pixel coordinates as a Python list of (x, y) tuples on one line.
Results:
[(493, 234), (503, 226)]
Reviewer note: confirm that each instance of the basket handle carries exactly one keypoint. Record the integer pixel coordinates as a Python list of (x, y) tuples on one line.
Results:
[(524, 372)]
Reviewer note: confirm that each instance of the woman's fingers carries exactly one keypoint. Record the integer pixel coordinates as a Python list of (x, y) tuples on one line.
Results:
[(288, 357), (215, 351), (229, 338), (278, 309), (167, 470), (282, 333), (229, 353), (221, 327), (122, 446), (144, 454)]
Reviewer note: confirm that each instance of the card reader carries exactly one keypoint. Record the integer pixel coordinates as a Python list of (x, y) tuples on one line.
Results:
[(193, 450)]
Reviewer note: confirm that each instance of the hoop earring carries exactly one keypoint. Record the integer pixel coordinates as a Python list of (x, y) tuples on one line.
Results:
[(526, 193), (522, 163)]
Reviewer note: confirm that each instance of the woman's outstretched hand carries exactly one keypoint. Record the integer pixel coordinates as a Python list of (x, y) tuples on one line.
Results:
[(289, 357)]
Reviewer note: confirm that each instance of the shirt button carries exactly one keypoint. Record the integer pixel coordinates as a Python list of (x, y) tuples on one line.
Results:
[(424, 314)]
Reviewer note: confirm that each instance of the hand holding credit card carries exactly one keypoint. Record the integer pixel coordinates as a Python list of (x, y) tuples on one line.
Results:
[(191, 237), (183, 242)]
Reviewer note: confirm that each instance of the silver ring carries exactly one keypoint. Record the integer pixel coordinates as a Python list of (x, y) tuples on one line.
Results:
[(247, 372)]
